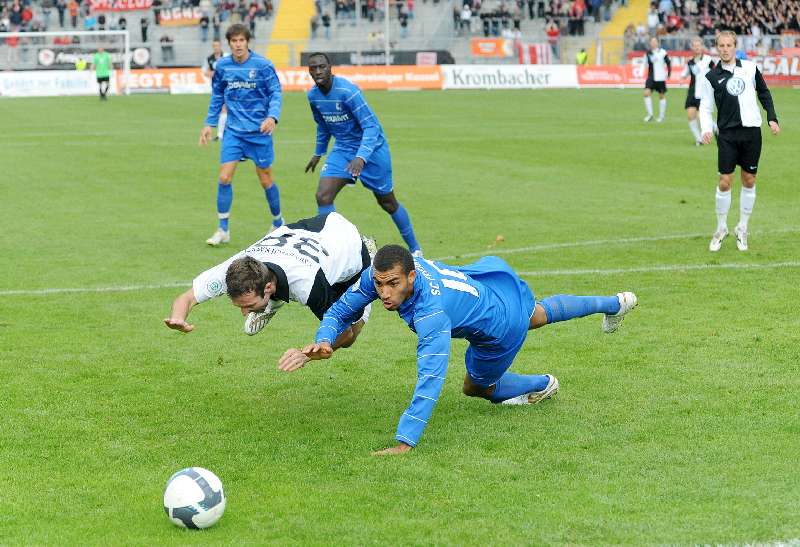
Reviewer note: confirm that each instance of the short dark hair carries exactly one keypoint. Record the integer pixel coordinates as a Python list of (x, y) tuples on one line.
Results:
[(390, 256), (320, 54), (237, 29), (247, 275)]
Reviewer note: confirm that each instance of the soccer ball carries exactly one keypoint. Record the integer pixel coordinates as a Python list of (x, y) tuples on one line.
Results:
[(194, 498)]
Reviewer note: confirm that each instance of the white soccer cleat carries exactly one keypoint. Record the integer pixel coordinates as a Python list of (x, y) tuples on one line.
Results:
[(698, 143), (219, 237), (741, 238), (256, 321), (627, 301), (372, 247), (660, 119), (716, 239), (648, 118), (535, 396)]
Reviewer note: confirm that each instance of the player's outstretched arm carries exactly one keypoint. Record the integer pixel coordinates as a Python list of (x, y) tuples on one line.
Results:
[(180, 312), (294, 358)]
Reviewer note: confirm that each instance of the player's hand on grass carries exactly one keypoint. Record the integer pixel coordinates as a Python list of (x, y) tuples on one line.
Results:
[(355, 166), (205, 135), (707, 138), (178, 324), (774, 127), (315, 352), (401, 448), (312, 163), (292, 359), (267, 126)]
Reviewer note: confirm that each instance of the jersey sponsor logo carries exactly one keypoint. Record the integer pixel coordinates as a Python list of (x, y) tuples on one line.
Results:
[(336, 118), (735, 86), (241, 85), (214, 287)]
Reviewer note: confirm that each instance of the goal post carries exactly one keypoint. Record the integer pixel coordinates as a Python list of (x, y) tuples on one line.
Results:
[(67, 50)]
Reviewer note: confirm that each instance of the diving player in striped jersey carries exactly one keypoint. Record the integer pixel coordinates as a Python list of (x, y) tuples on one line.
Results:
[(486, 303), (360, 150), (311, 261)]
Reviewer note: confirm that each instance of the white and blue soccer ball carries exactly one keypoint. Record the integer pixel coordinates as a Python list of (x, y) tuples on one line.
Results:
[(194, 498)]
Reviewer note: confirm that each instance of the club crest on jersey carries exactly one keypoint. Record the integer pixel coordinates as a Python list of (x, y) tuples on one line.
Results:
[(251, 75), (338, 105), (735, 86), (215, 287)]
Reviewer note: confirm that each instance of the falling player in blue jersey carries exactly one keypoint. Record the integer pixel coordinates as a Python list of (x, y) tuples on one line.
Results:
[(360, 150), (246, 83), (486, 303)]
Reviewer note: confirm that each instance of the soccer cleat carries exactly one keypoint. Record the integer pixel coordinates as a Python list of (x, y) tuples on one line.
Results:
[(648, 118), (660, 119), (372, 247), (417, 254), (716, 239), (534, 397), (698, 143), (741, 238), (256, 321), (219, 237), (627, 301)]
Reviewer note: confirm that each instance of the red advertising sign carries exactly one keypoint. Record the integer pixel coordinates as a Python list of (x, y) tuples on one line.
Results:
[(120, 5)]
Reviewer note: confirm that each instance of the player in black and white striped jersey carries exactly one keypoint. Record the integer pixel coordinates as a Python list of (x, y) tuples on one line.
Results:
[(659, 68), (311, 261), (696, 68), (733, 86)]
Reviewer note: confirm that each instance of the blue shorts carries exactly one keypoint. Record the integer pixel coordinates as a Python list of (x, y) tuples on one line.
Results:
[(377, 172), (487, 363), (256, 147)]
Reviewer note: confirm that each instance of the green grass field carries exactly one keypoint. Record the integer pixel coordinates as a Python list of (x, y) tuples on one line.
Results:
[(681, 428)]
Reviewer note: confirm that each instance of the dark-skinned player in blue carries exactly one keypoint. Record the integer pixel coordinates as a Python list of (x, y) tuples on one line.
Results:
[(360, 150)]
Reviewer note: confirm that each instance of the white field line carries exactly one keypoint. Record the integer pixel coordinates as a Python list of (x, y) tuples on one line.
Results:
[(541, 273)]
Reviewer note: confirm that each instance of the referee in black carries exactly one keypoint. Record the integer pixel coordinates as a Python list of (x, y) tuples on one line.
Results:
[(733, 85)]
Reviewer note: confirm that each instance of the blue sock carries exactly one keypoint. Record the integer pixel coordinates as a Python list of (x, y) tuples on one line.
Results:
[(512, 385), (563, 307), (325, 209), (403, 222), (274, 200), (224, 201)]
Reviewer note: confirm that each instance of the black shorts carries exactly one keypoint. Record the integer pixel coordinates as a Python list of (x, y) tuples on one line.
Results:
[(739, 146), (661, 87), (691, 100), (102, 79)]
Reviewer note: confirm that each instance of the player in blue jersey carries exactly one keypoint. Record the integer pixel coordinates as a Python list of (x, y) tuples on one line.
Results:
[(486, 303), (360, 150), (246, 83)]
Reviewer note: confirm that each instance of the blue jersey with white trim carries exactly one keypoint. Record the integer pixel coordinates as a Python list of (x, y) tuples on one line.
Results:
[(344, 115), (446, 303), (251, 91)]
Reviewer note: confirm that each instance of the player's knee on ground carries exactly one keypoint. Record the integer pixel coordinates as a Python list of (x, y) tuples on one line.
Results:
[(472, 390), (725, 182), (388, 202), (748, 179)]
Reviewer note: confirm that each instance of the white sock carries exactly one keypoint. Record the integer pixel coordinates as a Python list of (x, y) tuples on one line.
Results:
[(694, 126), (662, 107), (746, 201), (221, 124), (723, 206), (648, 105)]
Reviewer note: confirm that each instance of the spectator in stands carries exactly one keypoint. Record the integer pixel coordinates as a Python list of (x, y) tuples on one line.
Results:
[(157, 11), (47, 9), (553, 35), (466, 19), (404, 22), (73, 12), (15, 15), (251, 19), (326, 24), (144, 24), (27, 17), (215, 25), (582, 58), (314, 25), (61, 7), (652, 19), (674, 22), (167, 50), (204, 24), (122, 23)]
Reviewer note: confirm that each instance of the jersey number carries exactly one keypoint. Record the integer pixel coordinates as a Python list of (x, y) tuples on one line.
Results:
[(306, 246), (458, 284)]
